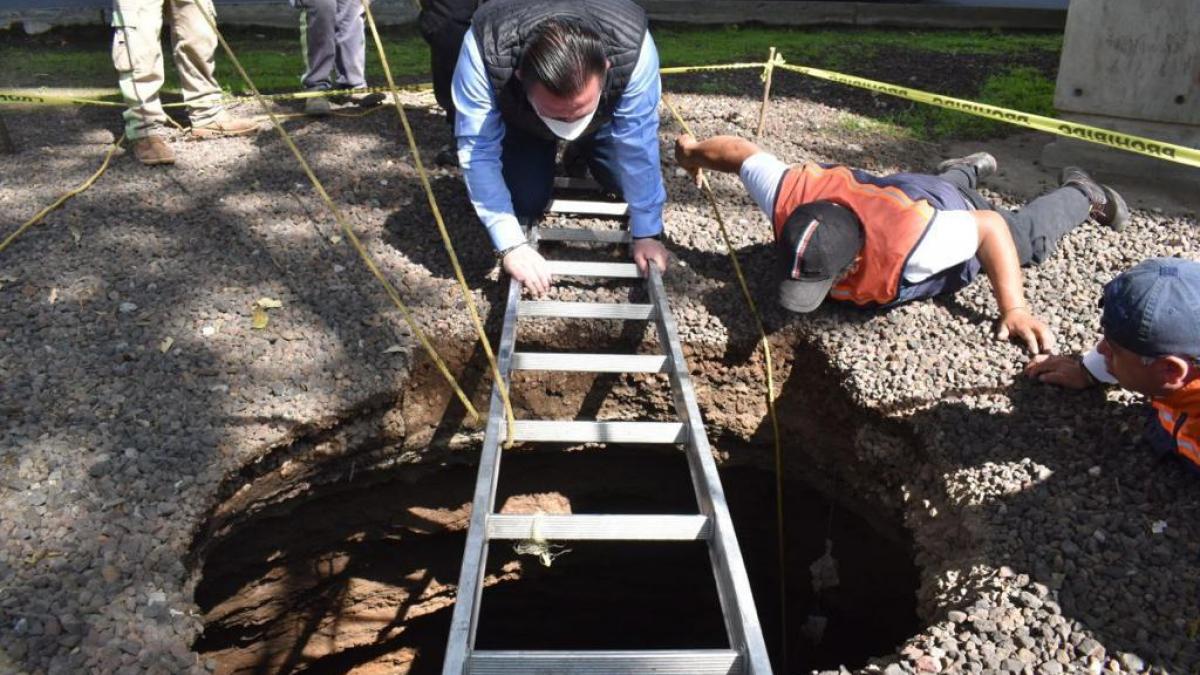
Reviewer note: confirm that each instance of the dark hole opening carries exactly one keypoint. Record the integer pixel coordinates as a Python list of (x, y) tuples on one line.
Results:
[(362, 577)]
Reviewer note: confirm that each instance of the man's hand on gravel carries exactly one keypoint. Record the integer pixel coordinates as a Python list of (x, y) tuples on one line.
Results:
[(528, 267), (1019, 324), (647, 250), (1063, 371)]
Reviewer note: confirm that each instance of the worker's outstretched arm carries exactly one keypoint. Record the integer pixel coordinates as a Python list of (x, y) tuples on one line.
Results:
[(719, 153), (998, 254)]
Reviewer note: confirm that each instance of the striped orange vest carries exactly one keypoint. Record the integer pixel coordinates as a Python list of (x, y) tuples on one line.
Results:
[(1179, 415), (893, 225)]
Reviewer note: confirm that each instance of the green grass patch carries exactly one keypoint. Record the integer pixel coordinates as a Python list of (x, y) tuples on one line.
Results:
[(832, 48), (856, 125), (273, 57), (1025, 89)]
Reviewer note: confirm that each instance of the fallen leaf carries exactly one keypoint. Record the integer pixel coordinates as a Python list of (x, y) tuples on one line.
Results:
[(258, 320), (53, 295), (75, 233), (393, 349), (165, 345), (269, 303)]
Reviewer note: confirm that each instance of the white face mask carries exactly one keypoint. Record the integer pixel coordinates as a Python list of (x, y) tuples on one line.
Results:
[(568, 131)]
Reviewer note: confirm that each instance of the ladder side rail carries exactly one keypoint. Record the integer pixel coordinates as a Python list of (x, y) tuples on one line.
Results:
[(733, 584), (470, 584)]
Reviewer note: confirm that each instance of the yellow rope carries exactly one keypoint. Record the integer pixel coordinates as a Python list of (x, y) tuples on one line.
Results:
[(63, 199), (341, 221), (441, 225), (768, 368)]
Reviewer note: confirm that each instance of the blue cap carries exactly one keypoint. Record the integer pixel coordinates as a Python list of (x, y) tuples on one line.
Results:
[(1153, 309)]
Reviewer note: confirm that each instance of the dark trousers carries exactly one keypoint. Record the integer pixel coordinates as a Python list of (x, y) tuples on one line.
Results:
[(1039, 225), (443, 24), (527, 163)]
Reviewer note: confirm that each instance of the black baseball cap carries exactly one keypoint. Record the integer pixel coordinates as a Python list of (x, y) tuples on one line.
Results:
[(816, 244)]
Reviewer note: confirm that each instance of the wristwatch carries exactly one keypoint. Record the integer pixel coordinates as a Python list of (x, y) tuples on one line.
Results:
[(500, 254)]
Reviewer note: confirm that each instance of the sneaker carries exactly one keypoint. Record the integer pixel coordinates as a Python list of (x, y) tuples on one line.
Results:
[(983, 163), (152, 151), (317, 106), (226, 125), (1108, 208)]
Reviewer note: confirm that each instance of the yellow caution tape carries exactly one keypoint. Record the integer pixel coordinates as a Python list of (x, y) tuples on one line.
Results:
[(1149, 147), (1144, 146), (676, 70), (11, 97), (23, 97)]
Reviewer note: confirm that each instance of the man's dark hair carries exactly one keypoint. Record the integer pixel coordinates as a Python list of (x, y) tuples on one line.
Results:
[(563, 56)]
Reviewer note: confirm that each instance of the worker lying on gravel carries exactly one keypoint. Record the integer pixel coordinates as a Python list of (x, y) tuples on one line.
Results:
[(137, 55), (881, 241), (1151, 344), (531, 73)]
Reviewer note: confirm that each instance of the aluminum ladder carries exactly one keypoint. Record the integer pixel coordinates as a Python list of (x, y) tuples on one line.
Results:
[(747, 652)]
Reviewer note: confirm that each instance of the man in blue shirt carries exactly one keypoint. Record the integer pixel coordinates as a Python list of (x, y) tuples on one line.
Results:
[(532, 73)]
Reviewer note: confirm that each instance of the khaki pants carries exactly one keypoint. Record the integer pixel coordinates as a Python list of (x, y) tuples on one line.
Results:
[(137, 55)]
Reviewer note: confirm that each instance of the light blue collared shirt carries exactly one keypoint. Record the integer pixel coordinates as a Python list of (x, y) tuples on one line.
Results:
[(633, 129)]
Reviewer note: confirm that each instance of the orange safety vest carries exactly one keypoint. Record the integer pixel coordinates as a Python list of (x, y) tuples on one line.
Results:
[(1179, 414), (893, 225)]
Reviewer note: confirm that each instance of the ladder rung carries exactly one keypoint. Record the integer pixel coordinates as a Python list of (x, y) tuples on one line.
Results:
[(591, 363), (575, 268), (577, 234), (585, 310), (576, 431), (572, 183), (597, 527), (588, 207), (658, 662)]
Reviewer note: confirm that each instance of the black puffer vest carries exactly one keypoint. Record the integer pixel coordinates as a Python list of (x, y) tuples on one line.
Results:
[(502, 27)]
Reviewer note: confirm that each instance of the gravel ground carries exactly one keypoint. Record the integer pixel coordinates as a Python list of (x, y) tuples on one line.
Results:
[(135, 387)]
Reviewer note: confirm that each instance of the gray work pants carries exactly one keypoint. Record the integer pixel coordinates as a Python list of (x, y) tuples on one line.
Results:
[(137, 56), (334, 43), (1038, 226)]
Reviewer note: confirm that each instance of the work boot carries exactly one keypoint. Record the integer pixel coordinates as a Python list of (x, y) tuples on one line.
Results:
[(983, 163), (226, 125), (318, 106), (152, 151), (1108, 207)]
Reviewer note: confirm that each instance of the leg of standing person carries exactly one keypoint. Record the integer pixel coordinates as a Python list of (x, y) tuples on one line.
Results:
[(318, 31), (351, 61), (527, 163), (137, 57), (194, 50), (443, 24)]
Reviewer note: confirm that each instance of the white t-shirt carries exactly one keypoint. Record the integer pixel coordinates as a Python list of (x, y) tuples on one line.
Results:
[(952, 238)]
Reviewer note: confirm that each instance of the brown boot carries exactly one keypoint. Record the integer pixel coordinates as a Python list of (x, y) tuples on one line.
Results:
[(153, 151), (226, 125)]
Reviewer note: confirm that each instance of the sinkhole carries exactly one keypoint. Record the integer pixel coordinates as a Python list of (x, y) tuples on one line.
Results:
[(358, 576)]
